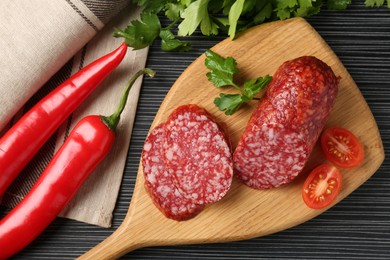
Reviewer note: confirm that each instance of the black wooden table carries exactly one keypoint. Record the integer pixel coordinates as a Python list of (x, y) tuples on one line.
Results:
[(356, 228)]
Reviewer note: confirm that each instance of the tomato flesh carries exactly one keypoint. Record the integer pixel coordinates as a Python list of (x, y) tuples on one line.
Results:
[(341, 147), (321, 186)]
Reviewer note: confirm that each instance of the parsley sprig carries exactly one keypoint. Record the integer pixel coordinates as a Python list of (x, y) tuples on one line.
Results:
[(221, 74), (213, 17), (143, 32)]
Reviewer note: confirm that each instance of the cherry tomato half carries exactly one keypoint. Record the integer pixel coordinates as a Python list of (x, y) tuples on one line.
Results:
[(341, 147), (321, 186)]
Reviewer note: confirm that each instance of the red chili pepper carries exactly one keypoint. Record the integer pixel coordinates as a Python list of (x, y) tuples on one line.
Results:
[(86, 146), (27, 136)]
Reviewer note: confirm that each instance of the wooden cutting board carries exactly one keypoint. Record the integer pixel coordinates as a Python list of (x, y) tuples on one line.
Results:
[(246, 213)]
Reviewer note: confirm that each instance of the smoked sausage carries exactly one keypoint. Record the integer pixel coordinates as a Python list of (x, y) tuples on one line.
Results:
[(286, 124)]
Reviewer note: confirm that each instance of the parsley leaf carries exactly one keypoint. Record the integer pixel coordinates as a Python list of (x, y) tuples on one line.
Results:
[(194, 15), (234, 15), (229, 103), (173, 10), (378, 3), (309, 8), (264, 13), (221, 74), (254, 86), (338, 4), (285, 8), (221, 70), (140, 33), (170, 43)]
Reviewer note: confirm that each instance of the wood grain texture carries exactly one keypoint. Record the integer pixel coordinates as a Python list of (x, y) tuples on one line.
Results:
[(246, 213)]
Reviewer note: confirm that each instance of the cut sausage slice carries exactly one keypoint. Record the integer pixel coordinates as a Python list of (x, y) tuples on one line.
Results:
[(159, 184), (198, 155)]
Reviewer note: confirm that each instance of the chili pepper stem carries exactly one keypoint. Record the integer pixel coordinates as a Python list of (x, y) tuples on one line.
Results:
[(113, 120)]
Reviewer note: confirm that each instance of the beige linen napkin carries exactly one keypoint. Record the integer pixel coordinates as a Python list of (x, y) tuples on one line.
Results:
[(43, 42)]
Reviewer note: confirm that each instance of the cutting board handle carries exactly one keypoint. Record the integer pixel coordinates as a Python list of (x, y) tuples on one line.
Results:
[(116, 245)]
